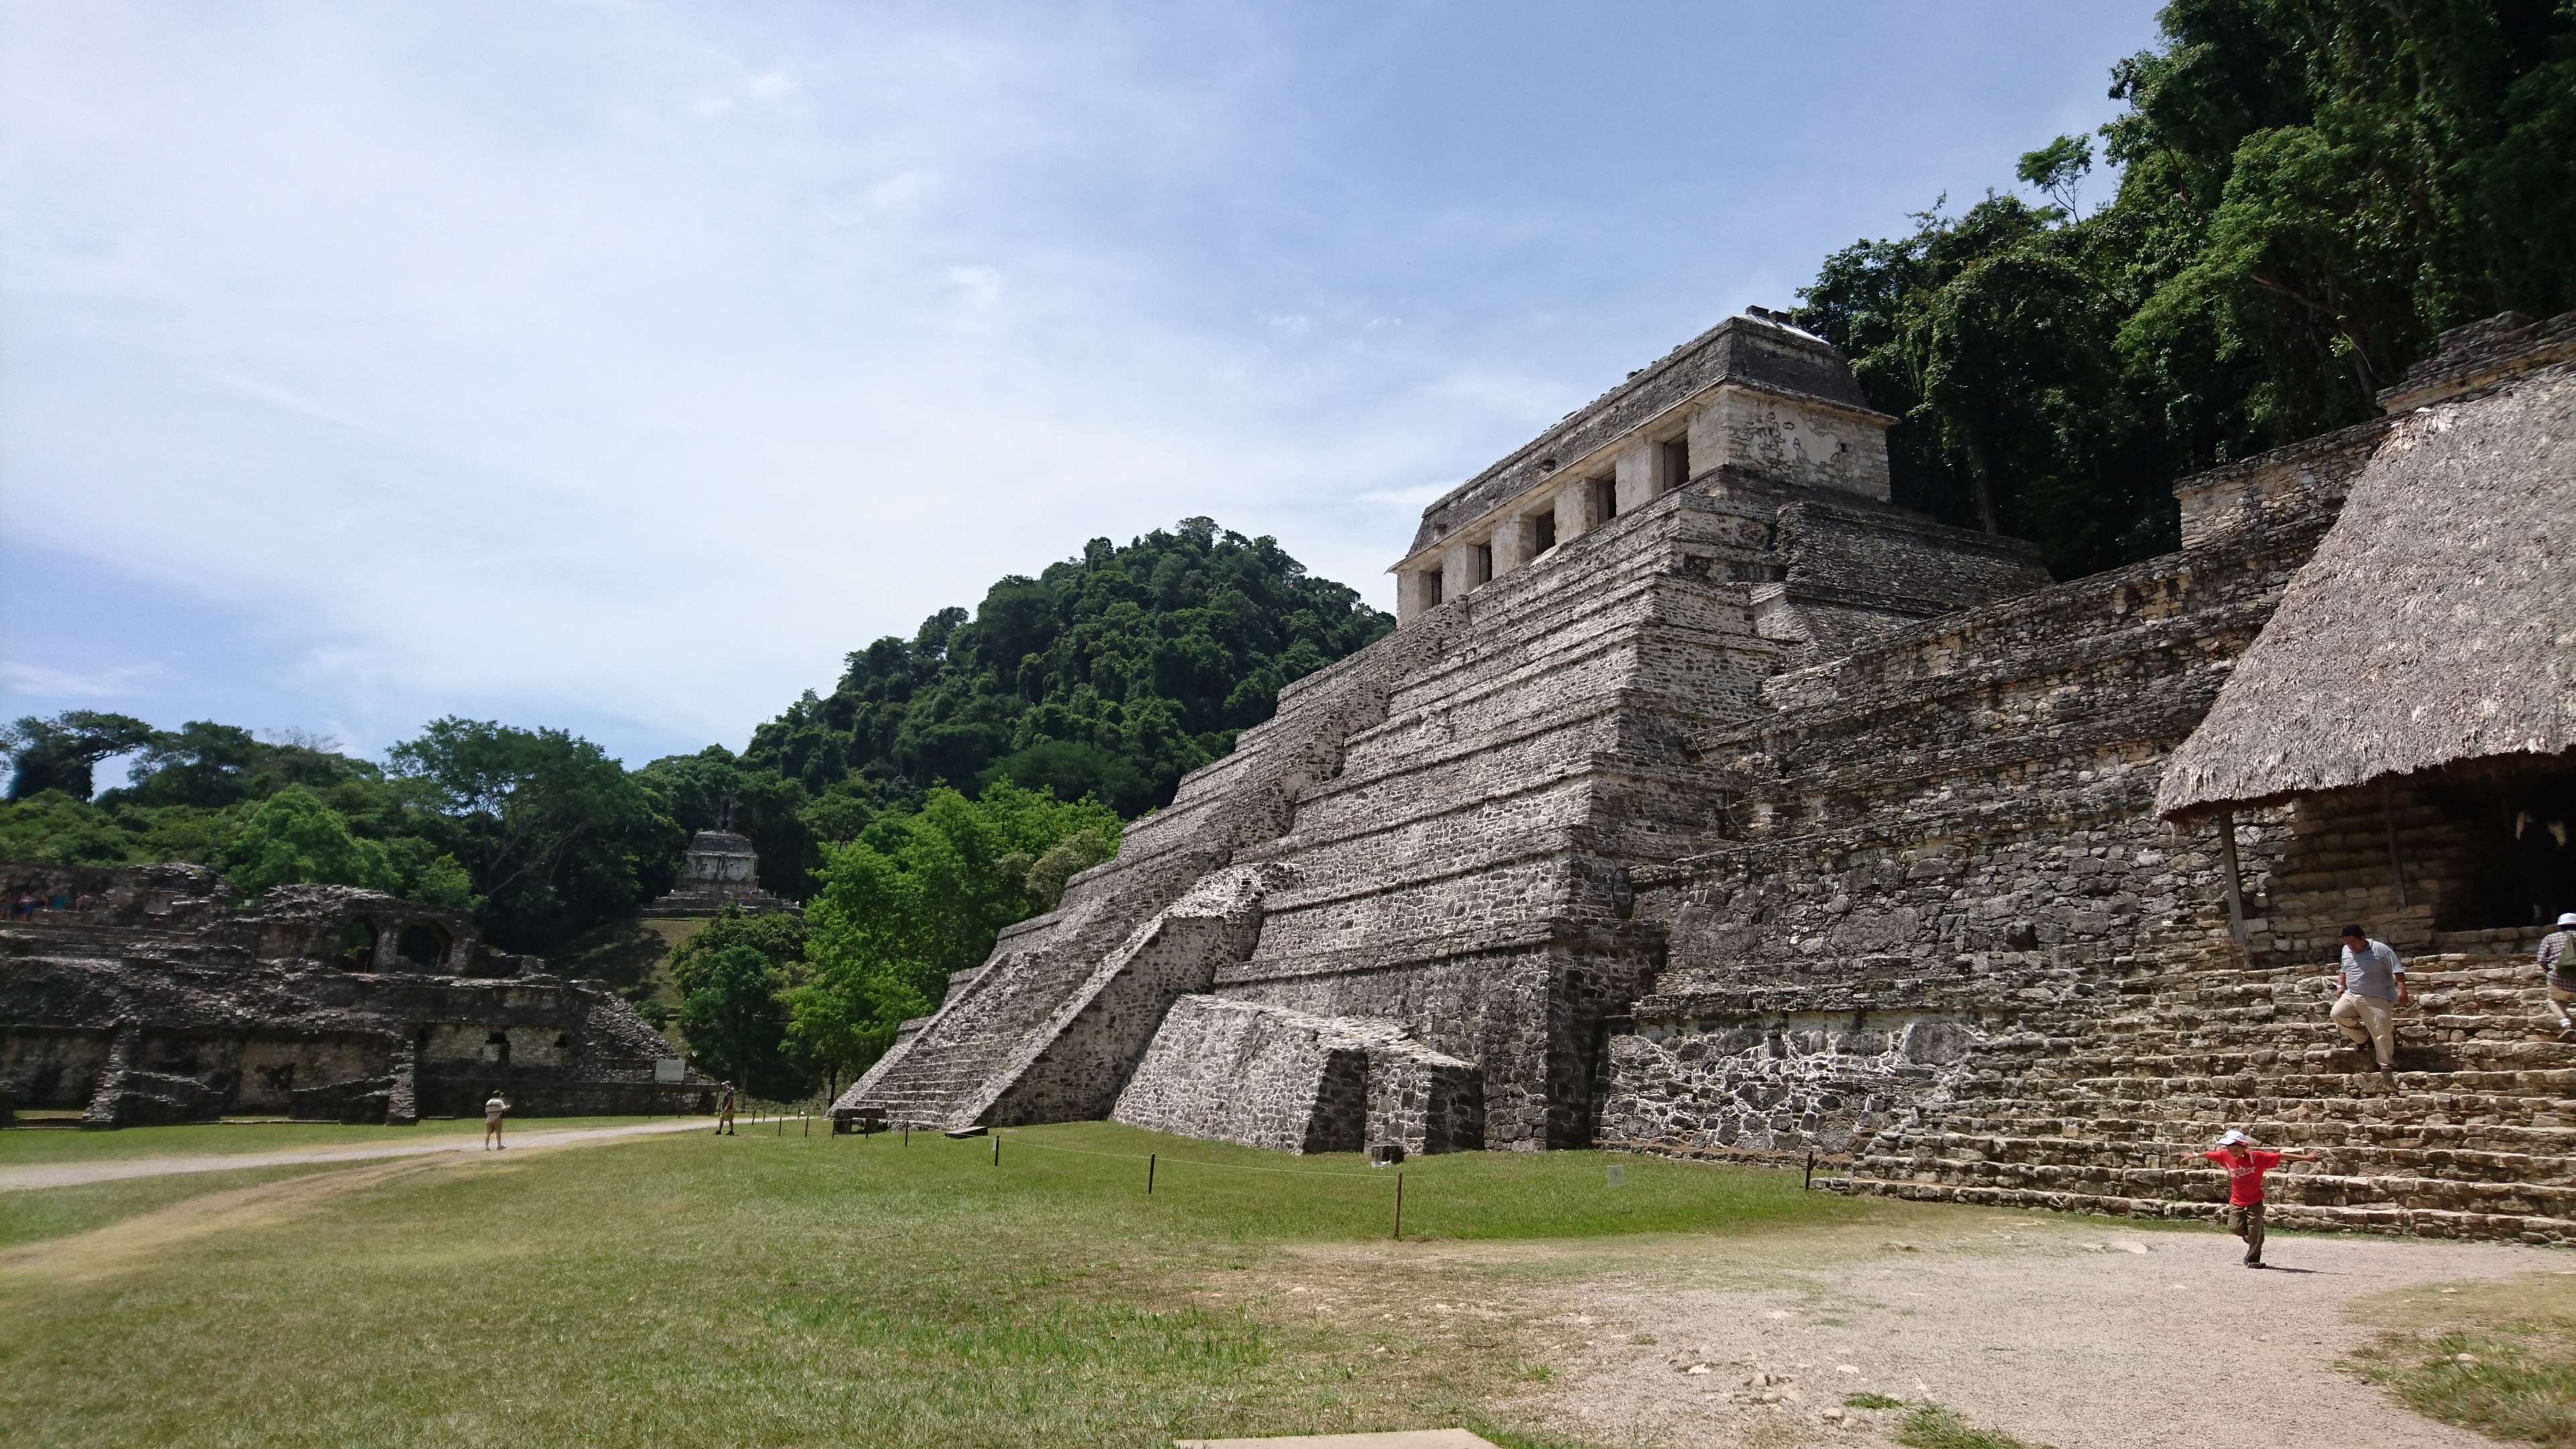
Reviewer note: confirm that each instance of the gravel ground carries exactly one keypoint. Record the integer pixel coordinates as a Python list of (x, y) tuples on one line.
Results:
[(2066, 1332)]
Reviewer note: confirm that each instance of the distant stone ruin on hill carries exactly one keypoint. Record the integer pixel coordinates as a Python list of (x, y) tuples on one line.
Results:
[(160, 998), (1705, 802)]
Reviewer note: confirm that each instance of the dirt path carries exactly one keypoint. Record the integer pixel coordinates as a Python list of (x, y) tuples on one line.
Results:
[(2074, 1333), (69, 1174)]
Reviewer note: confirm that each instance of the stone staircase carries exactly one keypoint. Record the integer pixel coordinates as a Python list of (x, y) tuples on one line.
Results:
[(2105, 1112)]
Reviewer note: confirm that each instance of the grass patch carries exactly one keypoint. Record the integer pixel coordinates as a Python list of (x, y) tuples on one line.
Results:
[(632, 955), (2496, 1357), (24, 1147), (1872, 1401), (34, 1215), (808, 1291), (1932, 1427)]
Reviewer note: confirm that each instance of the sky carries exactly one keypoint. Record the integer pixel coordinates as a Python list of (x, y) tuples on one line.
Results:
[(619, 367)]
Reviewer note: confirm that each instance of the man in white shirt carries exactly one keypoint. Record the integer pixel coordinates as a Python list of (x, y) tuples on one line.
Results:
[(494, 1108), (2558, 969), (2374, 986)]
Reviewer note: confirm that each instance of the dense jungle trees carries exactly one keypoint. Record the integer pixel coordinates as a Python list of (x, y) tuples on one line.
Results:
[(2310, 191)]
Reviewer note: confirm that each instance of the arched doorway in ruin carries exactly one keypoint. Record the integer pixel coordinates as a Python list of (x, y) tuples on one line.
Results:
[(422, 944)]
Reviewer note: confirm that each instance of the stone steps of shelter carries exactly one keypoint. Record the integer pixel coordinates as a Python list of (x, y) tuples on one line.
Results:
[(2322, 1055), (2422, 1221), (2542, 1162), (2452, 1190), (2211, 1098), (2486, 1009), (2299, 1127)]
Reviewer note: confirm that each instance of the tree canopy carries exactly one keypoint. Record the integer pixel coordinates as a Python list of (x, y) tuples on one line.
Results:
[(1110, 675), (2309, 193), (921, 894)]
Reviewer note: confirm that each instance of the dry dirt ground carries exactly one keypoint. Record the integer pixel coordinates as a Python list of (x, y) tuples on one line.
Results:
[(2071, 1332), (70, 1174)]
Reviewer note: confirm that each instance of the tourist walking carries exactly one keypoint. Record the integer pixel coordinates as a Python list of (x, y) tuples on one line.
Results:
[(724, 1113), (2374, 986), (2246, 1164), (495, 1108), (2558, 970)]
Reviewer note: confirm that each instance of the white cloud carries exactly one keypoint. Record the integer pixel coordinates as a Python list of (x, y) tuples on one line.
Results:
[(97, 684), (629, 365)]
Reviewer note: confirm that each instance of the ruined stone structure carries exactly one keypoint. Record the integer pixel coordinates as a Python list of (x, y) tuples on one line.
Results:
[(719, 869), (1705, 802), (164, 1000)]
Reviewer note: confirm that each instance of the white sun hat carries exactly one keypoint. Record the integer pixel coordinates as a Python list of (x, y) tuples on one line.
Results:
[(2233, 1136)]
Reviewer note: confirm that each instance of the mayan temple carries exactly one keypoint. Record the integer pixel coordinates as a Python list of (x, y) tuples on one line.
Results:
[(1706, 802)]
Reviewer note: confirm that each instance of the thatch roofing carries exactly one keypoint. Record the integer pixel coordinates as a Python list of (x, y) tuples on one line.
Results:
[(2435, 623)]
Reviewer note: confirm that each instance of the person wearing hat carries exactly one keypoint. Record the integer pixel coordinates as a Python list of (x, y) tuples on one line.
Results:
[(2374, 986), (2246, 1164), (724, 1112), (2558, 969), (495, 1107)]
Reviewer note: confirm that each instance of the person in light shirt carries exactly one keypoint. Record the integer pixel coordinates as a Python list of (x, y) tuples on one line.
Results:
[(495, 1108), (2374, 986), (2558, 970)]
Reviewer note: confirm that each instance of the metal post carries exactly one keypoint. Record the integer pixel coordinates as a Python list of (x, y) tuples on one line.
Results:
[(2235, 879), (1149, 1173), (1399, 1206)]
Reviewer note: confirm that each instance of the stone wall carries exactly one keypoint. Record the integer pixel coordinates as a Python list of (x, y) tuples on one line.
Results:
[(167, 1000), (1265, 1076), (1955, 945)]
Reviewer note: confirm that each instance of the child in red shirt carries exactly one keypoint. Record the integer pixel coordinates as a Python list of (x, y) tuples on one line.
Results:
[(2246, 1164)]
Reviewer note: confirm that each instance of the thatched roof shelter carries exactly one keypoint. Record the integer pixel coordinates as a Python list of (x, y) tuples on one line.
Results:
[(2435, 623)]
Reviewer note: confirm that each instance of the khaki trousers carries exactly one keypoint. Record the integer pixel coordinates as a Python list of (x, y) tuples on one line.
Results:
[(2560, 998), (2369, 1021), (2247, 1222)]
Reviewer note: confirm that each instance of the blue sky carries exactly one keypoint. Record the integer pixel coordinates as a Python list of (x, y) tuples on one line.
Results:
[(621, 366)]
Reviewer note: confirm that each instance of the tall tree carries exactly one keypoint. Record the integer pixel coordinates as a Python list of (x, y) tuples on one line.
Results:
[(921, 895), (62, 753), (554, 833)]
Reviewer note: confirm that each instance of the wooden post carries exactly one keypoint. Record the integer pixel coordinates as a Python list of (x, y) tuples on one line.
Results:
[(2235, 880), (2388, 816), (1149, 1173), (997, 1147), (1810, 1184), (1399, 1206)]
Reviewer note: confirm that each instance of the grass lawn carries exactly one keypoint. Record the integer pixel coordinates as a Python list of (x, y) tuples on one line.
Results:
[(2496, 1357), (55, 1212), (26, 1146), (811, 1291)]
